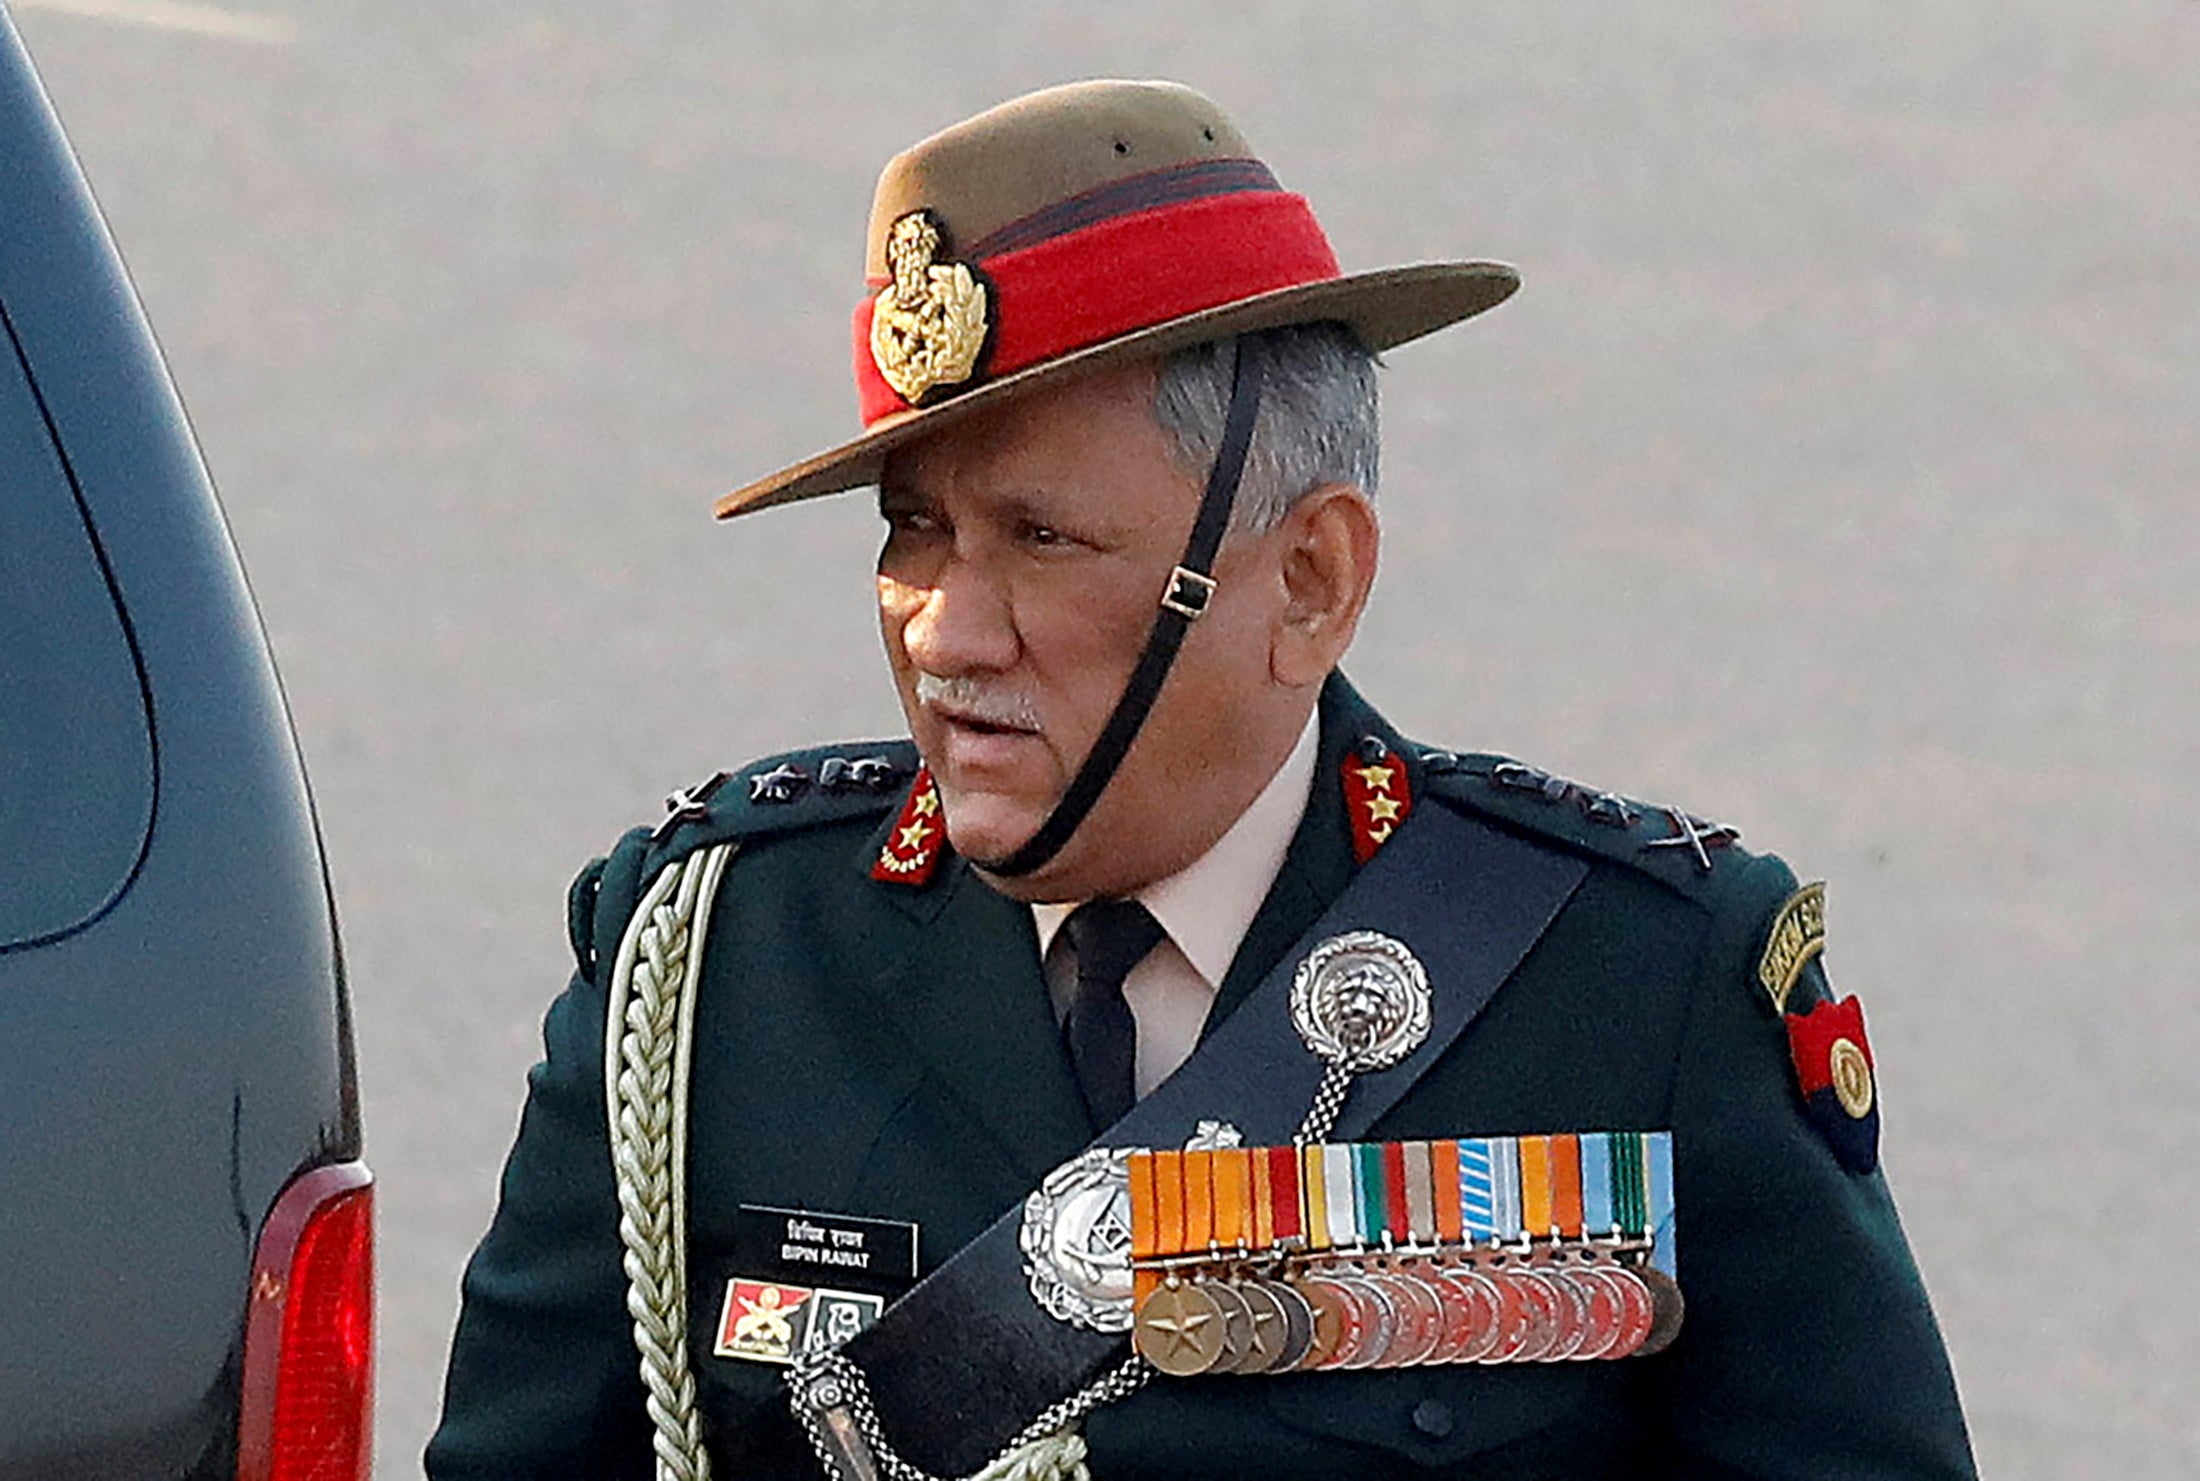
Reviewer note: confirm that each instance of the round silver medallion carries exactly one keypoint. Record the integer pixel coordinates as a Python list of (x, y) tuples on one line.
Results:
[(1361, 1001), (1076, 1240)]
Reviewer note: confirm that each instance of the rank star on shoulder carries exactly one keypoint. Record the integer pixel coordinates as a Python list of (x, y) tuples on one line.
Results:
[(1377, 778), (1382, 809), (925, 803), (913, 836)]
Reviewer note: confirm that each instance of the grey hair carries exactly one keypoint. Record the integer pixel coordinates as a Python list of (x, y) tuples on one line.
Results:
[(1318, 416)]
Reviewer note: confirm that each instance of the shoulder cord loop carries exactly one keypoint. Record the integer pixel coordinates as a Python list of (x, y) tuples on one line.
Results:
[(649, 1041), (650, 1046)]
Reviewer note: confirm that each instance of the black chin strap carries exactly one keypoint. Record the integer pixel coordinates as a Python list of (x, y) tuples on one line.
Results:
[(1191, 587)]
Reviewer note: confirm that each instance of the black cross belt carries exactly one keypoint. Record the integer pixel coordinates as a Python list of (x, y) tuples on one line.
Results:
[(964, 1361)]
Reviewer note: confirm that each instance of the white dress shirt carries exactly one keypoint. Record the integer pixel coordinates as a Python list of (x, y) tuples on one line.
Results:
[(1205, 908)]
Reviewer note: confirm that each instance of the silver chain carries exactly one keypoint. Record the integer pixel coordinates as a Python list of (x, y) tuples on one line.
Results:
[(826, 1381), (1321, 1117), (1120, 1382)]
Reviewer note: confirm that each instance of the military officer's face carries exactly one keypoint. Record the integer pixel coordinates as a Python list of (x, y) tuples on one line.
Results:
[(1025, 554)]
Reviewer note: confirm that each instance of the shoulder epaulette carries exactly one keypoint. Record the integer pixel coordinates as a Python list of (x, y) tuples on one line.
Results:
[(1752, 897), (1668, 842), (782, 794), (786, 793)]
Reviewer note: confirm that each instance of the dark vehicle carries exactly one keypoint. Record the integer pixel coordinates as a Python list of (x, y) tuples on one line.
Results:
[(185, 1226)]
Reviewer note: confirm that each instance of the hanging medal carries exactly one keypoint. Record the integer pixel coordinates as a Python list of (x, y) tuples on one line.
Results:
[(1253, 1260)]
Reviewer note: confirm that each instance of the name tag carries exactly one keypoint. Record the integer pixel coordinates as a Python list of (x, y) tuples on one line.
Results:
[(808, 1280)]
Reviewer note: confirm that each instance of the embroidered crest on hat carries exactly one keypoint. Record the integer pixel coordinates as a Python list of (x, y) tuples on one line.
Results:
[(912, 849), (929, 323), (1834, 1068), (1377, 796)]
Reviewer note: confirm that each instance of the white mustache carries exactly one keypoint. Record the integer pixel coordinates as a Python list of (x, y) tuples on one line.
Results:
[(974, 699)]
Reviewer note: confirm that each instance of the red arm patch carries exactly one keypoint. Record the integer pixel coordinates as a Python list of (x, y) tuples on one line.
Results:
[(1835, 1071)]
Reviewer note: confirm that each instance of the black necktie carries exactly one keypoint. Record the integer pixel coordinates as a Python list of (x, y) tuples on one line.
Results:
[(1109, 937)]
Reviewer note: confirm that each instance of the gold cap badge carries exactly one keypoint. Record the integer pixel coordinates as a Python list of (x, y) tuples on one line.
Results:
[(928, 325)]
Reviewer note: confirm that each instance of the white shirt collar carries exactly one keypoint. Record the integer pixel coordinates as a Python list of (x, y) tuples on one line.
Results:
[(1207, 906)]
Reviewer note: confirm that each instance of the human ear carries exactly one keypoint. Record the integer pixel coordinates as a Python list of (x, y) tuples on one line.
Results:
[(1330, 542)]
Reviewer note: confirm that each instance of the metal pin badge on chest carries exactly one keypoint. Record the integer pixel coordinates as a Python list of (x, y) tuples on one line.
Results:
[(1076, 1240), (1361, 1001)]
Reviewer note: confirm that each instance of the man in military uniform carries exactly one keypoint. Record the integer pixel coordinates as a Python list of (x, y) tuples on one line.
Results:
[(1153, 900)]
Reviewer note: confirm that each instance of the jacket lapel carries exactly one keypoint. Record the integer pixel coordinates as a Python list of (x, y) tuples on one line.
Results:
[(967, 992), (967, 996)]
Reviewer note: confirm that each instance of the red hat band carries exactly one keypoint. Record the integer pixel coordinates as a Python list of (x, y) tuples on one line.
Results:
[(1079, 274)]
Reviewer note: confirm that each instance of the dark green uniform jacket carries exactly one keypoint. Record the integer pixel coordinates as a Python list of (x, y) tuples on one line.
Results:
[(874, 1048)]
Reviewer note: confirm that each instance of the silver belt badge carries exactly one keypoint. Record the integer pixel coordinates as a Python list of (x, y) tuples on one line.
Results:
[(1076, 1240), (1076, 1235)]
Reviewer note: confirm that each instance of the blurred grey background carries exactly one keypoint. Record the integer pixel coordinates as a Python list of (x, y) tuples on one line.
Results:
[(1832, 475)]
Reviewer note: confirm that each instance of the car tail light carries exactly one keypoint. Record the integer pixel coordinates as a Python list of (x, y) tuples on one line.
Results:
[(308, 1409)]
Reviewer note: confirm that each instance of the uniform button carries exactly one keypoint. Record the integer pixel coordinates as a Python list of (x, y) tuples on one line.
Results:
[(1432, 1417)]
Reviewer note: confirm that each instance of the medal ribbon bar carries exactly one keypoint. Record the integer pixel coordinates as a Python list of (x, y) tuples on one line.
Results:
[(1392, 1254)]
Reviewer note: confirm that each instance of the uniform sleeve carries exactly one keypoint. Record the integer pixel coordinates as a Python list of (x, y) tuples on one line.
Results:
[(542, 1379), (1809, 1348)]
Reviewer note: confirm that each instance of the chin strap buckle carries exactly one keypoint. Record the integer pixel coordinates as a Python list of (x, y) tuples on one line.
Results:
[(1189, 593)]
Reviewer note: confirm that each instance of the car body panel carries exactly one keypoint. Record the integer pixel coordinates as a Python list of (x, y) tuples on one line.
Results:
[(167, 1066), (76, 737)]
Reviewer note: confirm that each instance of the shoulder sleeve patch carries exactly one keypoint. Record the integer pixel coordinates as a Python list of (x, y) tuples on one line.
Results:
[(1797, 938), (1834, 1071)]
